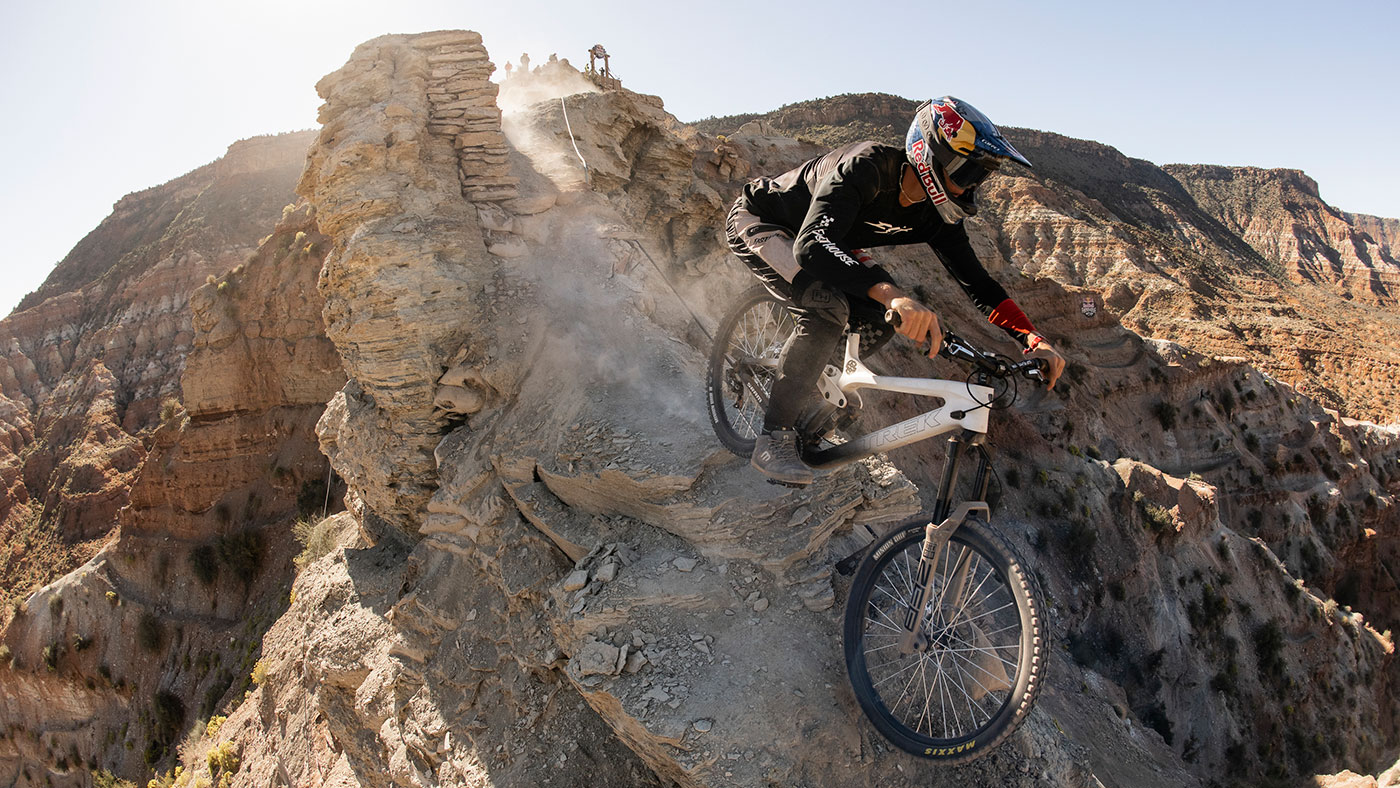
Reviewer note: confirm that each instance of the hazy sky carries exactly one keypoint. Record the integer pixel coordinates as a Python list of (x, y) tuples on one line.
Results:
[(105, 98)]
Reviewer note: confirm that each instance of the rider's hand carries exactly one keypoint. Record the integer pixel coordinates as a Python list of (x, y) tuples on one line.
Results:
[(1054, 362), (918, 322)]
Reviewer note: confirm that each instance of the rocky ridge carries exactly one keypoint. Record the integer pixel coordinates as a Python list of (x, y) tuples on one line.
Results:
[(550, 575), (111, 664), (91, 355)]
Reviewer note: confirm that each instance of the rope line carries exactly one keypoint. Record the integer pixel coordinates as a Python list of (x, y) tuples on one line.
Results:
[(588, 179), (587, 175)]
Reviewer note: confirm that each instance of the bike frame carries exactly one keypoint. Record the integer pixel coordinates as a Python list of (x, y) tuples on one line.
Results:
[(964, 407)]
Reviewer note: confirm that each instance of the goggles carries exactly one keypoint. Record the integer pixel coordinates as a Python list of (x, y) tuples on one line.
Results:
[(967, 173)]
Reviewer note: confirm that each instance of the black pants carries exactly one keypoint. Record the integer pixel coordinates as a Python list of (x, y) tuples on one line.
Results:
[(820, 311)]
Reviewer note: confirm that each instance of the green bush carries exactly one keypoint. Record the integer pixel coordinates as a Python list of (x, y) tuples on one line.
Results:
[(224, 758), (204, 560), (241, 554), (105, 779), (1268, 648), (149, 633), (1157, 519), (1165, 413)]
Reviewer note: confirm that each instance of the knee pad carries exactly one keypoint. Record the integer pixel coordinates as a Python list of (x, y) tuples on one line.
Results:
[(824, 303)]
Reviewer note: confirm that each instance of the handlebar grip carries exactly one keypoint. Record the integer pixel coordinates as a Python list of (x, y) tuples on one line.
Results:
[(892, 317)]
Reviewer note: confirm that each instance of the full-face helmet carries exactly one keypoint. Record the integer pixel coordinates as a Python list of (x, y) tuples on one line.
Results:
[(950, 138)]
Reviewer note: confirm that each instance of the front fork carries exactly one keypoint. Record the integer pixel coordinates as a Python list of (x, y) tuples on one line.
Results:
[(936, 537)]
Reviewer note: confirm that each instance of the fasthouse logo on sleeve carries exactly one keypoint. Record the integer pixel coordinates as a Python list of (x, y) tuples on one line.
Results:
[(820, 234)]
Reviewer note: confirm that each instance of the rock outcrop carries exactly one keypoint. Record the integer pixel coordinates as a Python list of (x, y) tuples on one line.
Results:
[(1281, 215), (89, 357), (548, 573), (109, 666)]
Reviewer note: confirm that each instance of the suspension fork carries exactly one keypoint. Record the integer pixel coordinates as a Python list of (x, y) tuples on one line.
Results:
[(936, 536)]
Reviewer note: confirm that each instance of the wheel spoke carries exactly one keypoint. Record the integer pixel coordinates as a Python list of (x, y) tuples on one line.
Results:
[(956, 685)]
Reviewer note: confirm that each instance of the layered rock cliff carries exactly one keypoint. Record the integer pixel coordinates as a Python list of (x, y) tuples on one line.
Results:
[(548, 573), (110, 666), (90, 356)]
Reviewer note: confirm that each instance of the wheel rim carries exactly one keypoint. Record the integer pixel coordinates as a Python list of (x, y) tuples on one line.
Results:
[(751, 364), (964, 674)]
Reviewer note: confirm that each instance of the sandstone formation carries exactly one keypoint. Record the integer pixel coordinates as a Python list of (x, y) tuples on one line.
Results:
[(111, 665), (549, 573), (90, 356), (1279, 213)]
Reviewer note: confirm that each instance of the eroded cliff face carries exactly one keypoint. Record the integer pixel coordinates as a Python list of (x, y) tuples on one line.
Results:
[(110, 666), (578, 570), (550, 574), (90, 356), (1279, 213)]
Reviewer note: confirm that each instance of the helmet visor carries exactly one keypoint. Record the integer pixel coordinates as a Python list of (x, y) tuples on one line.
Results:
[(967, 173)]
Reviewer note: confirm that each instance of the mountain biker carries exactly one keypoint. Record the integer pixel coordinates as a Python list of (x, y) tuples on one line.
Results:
[(799, 234)]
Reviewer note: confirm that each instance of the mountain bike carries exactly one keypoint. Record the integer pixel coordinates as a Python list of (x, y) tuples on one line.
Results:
[(942, 632)]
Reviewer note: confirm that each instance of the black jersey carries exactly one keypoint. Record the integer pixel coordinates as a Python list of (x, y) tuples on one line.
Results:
[(849, 199)]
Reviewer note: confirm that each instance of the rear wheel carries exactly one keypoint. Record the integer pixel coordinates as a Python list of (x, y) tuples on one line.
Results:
[(979, 659), (743, 366)]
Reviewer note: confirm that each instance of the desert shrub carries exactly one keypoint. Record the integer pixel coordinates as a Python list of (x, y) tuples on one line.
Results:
[(259, 674), (1093, 452), (204, 560), (149, 633), (1075, 451), (241, 554), (168, 718), (169, 408), (50, 656), (317, 539), (105, 779), (113, 599), (1209, 612), (1157, 519), (1165, 413), (224, 759), (6, 656), (1268, 648)]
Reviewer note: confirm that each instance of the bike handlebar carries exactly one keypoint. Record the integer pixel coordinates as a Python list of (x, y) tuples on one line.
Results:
[(955, 347)]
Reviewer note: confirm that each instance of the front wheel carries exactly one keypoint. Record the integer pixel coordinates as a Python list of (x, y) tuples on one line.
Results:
[(743, 366), (979, 658)]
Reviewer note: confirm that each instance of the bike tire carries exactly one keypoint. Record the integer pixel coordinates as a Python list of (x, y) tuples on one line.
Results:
[(743, 365), (994, 639)]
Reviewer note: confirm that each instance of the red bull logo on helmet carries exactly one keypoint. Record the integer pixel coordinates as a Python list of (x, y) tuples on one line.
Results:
[(949, 121), (926, 176)]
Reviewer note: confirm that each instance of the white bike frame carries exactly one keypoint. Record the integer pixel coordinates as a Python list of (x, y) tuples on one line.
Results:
[(964, 407)]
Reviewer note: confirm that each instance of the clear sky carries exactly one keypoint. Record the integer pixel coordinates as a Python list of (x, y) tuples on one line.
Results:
[(104, 98)]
